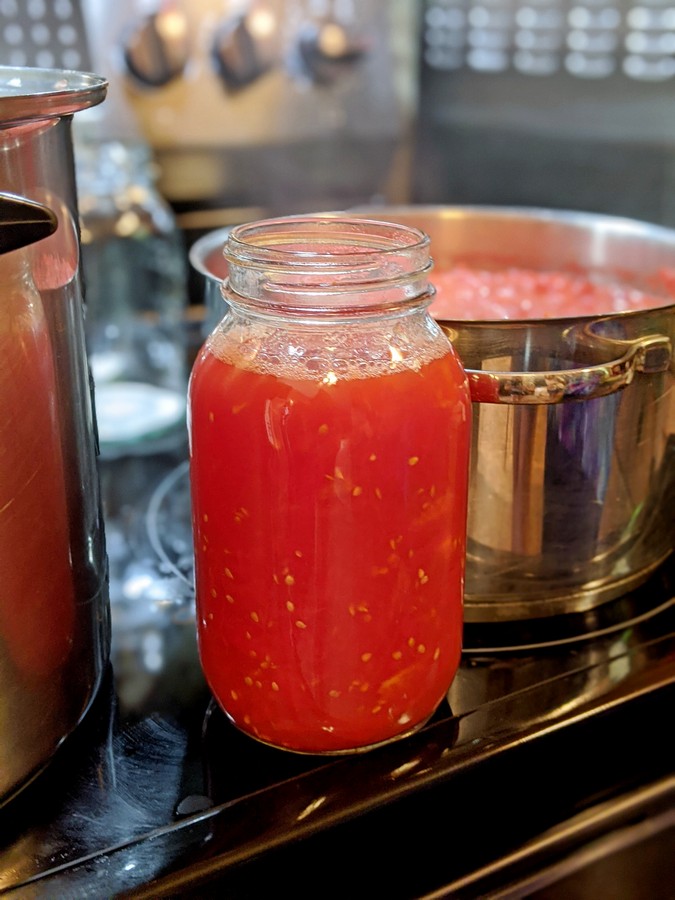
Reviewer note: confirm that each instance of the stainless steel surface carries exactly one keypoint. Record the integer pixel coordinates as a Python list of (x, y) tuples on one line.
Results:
[(589, 42), (572, 478), (290, 105), (546, 105), (54, 621), (206, 257), (33, 94), (45, 34), (648, 354)]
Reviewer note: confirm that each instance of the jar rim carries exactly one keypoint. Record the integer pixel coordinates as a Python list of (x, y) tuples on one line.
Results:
[(348, 241), (327, 264)]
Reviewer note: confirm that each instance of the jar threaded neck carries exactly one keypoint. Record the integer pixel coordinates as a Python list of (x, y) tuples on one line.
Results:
[(328, 265)]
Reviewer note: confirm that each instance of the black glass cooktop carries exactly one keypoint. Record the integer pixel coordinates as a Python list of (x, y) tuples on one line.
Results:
[(546, 727)]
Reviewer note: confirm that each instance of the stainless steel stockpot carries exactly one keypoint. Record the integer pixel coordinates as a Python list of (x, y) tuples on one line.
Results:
[(572, 476), (54, 610)]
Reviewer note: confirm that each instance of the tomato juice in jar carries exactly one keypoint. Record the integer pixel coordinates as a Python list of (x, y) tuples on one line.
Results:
[(329, 426)]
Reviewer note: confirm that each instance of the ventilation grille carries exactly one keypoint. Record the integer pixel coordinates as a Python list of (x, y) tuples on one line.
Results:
[(592, 40)]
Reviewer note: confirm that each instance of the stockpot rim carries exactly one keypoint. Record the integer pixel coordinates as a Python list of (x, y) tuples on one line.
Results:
[(651, 353), (657, 234), (204, 246), (30, 94)]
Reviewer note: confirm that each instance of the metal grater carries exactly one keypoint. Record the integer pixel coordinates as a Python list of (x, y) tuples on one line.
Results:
[(48, 34)]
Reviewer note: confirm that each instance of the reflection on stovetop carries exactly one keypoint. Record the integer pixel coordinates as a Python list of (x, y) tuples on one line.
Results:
[(156, 784), (599, 647)]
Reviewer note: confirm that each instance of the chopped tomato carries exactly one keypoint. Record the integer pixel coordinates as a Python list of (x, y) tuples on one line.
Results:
[(464, 292)]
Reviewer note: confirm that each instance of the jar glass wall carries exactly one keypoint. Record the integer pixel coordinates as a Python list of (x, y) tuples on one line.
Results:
[(330, 424)]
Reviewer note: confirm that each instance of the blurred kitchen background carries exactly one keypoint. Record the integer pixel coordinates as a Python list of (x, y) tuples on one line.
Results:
[(256, 107)]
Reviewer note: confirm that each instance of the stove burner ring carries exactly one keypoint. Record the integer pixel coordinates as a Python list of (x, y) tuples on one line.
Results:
[(582, 637), (164, 492), (173, 490)]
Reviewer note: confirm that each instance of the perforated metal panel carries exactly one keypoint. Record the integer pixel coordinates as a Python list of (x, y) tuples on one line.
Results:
[(592, 40), (44, 33)]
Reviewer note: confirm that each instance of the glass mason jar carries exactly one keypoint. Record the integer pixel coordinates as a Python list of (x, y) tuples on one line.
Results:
[(329, 423), (135, 278)]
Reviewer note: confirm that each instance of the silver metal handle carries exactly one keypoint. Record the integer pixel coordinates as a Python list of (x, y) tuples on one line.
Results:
[(649, 354)]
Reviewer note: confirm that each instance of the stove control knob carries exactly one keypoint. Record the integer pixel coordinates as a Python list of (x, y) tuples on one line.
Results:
[(328, 50), (245, 47), (156, 47)]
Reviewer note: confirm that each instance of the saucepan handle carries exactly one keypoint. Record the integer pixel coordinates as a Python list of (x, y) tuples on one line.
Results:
[(651, 353), (23, 222)]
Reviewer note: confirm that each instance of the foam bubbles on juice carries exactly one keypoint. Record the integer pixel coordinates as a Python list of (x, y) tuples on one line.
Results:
[(328, 354)]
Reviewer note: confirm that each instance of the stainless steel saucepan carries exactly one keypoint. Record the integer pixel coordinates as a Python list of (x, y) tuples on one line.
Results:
[(572, 479)]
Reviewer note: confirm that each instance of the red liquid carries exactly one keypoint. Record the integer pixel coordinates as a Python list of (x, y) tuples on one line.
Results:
[(329, 536), (37, 600), (466, 293)]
